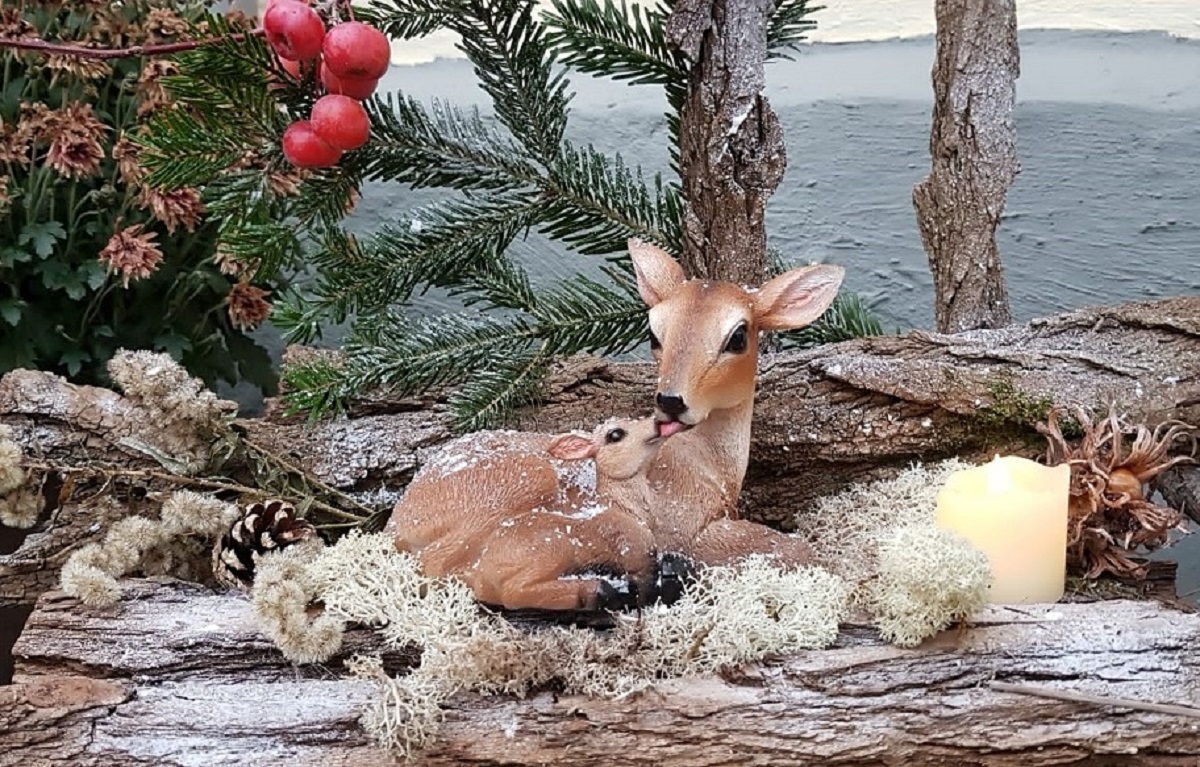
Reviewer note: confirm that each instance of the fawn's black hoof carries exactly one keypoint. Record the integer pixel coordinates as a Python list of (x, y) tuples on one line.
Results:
[(675, 572), (622, 595)]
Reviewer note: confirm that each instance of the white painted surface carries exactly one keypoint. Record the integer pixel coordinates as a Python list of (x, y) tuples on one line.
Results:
[(855, 20)]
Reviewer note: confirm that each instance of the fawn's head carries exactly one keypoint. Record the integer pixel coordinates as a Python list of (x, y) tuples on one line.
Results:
[(704, 334), (622, 448)]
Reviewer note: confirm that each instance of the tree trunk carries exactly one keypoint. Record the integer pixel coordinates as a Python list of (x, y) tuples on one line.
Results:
[(180, 675), (732, 154), (974, 161)]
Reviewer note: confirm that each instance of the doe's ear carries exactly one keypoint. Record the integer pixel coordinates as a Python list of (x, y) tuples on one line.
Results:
[(572, 447), (797, 298), (657, 273)]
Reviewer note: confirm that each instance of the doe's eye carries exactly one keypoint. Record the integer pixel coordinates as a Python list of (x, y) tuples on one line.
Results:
[(655, 344), (738, 340), (614, 435)]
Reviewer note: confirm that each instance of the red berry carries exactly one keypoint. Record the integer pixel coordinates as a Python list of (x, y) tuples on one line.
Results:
[(354, 50), (294, 30), (341, 121), (305, 149), (352, 87)]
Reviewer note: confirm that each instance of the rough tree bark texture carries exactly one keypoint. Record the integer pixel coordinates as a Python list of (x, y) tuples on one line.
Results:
[(179, 675), (732, 154), (974, 161)]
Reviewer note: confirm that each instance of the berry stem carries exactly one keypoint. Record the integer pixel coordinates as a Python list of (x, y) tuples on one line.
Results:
[(83, 52)]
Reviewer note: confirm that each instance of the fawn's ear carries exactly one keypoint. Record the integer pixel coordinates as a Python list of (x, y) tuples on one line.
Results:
[(572, 447), (657, 273), (797, 298)]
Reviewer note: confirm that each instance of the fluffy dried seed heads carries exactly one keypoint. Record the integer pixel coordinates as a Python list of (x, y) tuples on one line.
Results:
[(138, 543), (12, 476)]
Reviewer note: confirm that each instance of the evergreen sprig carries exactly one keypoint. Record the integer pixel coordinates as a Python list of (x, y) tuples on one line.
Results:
[(507, 173)]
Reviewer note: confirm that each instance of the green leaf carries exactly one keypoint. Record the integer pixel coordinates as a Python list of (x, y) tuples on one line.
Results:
[(10, 255), (43, 235), (74, 359), (174, 344), (57, 275), (94, 273), (10, 311)]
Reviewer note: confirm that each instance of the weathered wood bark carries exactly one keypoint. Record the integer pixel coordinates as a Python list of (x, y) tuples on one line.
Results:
[(732, 154), (1180, 486), (179, 675), (974, 161)]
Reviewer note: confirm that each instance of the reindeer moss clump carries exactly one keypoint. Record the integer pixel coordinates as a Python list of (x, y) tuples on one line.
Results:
[(913, 578), (730, 616)]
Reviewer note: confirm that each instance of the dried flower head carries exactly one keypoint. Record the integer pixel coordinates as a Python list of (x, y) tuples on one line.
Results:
[(15, 143), (74, 134), (150, 89), (248, 306), (190, 416), (133, 253), (12, 475), (175, 207), (164, 25), (190, 513), (1110, 517), (21, 509), (78, 66), (14, 25), (126, 152), (5, 197), (228, 263), (286, 183)]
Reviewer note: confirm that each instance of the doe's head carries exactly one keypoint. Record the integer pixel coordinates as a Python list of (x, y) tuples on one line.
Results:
[(704, 334), (621, 447)]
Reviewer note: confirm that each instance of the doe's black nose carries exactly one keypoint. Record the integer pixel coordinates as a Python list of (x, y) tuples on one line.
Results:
[(671, 404)]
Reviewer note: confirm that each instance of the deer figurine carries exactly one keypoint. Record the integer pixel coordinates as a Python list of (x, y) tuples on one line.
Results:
[(704, 337), (586, 549)]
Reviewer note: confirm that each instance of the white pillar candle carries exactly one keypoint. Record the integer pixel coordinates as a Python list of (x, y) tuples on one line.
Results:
[(1015, 511)]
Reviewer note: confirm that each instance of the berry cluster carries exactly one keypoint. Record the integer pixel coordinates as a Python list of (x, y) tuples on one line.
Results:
[(352, 56)]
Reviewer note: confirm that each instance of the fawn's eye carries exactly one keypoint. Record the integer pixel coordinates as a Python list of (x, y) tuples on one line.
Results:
[(655, 344), (614, 435), (737, 340)]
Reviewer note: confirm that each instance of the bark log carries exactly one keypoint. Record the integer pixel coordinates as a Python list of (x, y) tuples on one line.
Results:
[(732, 154), (974, 161), (179, 675), (825, 418)]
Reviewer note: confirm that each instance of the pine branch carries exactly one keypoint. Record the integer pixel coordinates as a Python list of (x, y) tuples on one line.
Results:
[(625, 42), (789, 26), (585, 316), (506, 44), (414, 355), (489, 397), (449, 244), (516, 67), (406, 19), (442, 147), (595, 204)]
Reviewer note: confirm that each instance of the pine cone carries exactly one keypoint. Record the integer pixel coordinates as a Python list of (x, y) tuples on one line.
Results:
[(263, 526)]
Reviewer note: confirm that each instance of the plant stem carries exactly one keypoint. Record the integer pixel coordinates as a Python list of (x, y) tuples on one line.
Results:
[(132, 51), (210, 484)]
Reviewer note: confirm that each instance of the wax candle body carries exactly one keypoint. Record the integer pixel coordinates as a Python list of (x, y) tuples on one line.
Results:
[(1015, 511)]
